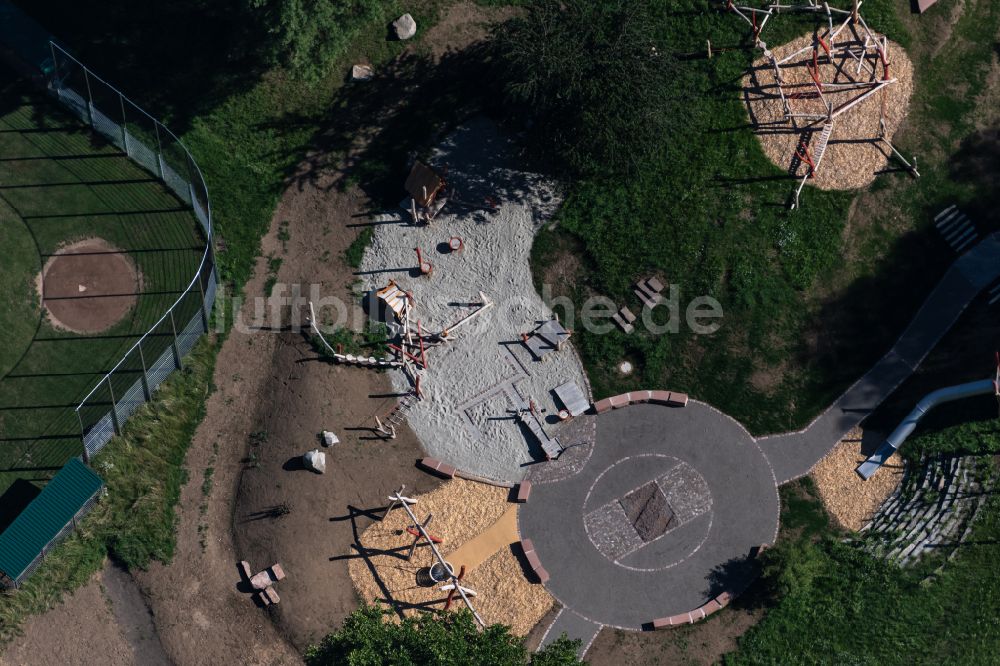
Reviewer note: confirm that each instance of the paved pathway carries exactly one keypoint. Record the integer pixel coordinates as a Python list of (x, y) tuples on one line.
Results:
[(574, 626), (658, 516), (693, 462), (793, 454)]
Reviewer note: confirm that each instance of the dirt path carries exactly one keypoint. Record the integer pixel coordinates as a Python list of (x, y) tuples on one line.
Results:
[(199, 614), (110, 611), (133, 616), (499, 534)]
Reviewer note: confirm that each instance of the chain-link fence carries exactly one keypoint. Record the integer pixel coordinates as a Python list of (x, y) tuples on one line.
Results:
[(161, 350)]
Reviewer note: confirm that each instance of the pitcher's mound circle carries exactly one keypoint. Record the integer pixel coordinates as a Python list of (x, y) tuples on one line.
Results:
[(89, 286)]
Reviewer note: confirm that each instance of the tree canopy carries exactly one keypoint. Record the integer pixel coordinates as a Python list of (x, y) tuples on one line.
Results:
[(598, 83), (366, 639), (306, 35)]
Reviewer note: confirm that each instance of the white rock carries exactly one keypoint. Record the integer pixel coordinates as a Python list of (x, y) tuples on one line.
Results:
[(405, 27), (362, 72), (329, 439), (315, 460)]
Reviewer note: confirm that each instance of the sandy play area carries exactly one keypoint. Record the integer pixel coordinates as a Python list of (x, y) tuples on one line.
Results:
[(479, 529), (849, 500), (854, 155), (474, 384)]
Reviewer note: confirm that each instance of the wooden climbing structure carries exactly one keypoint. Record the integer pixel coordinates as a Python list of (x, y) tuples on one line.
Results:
[(847, 64)]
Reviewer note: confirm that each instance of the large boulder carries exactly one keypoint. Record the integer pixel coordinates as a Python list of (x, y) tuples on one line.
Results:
[(315, 460), (404, 27), (362, 72)]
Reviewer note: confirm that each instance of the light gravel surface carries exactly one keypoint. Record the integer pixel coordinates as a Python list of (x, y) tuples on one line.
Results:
[(473, 385)]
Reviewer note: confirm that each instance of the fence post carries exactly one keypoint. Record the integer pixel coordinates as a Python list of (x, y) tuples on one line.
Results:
[(83, 438), (159, 147), (145, 380), (177, 352), (90, 96), (121, 102), (114, 406), (201, 289), (55, 68)]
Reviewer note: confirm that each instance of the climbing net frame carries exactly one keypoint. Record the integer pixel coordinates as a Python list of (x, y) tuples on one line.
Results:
[(847, 63)]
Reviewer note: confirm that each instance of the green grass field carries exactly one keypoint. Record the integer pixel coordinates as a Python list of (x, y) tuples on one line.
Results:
[(19, 303), (60, 182)]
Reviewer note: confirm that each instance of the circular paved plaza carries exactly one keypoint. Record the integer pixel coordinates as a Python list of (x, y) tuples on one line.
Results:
[(660, 520)]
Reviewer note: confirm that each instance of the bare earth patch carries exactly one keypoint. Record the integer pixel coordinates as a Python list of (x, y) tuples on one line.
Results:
[(80, 630), (462, 511), (464, 24), (854, 155), (88, 286), (703, 643), (849, 500)]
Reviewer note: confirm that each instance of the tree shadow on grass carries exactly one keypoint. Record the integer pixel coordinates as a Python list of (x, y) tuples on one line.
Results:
[(178, 59), (373, 130), (736, 577)]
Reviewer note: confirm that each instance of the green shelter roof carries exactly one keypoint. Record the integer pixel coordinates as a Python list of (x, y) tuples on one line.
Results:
[(46, 515)]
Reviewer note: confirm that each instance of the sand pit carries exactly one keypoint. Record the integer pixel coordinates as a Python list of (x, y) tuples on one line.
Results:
[(473, 385), (478, 526), (88, 286), (854, 155), (849, 500)]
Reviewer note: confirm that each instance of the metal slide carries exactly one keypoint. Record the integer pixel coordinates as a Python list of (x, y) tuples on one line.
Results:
[(909, 424)]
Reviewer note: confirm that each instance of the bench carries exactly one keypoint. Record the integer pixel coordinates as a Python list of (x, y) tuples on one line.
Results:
[(602, 406), (268, 596), (536, 565), (624, 318), (436, 466), (619, 401), (622, 324), (523, 492), (244, 568), (677, 399), (703, 611), (648, 291)]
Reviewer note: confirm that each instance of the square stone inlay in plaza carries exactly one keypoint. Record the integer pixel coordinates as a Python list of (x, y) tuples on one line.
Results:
[(648, 511), (631, 521)]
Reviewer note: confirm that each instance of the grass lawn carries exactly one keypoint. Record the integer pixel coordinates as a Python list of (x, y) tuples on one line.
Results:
[(841, 606), (19, 306), (143, 471), (61, 183)]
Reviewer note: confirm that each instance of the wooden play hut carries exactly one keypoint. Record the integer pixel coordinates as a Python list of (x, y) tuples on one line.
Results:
[(424, 184)]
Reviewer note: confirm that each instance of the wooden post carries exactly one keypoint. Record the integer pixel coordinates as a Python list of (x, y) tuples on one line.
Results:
[(83, 438), (413, 546)]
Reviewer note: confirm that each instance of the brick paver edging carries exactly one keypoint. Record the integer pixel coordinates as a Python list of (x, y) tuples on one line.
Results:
[(706, 609), (443, 469), (670, 398)]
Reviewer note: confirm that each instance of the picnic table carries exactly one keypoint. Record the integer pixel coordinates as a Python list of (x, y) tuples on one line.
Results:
[(548, 337)]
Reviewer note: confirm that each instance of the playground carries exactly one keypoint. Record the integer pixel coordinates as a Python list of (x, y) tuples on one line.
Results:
[(476, 466), (649, 490)]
